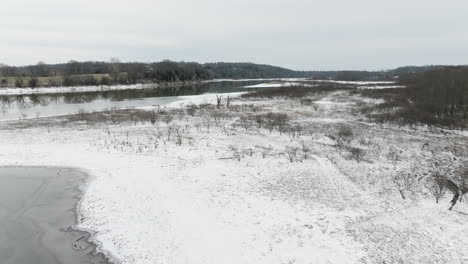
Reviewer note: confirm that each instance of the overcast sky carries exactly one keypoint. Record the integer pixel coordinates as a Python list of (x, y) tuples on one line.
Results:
[(299, 34)]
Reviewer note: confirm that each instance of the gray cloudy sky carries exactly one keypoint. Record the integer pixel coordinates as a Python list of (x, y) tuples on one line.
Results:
[(299, 34)]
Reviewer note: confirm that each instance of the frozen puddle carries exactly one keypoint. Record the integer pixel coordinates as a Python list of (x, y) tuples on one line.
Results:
[(37, 210)]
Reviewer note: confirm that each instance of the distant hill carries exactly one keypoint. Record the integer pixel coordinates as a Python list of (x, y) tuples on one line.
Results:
[(414, 69), (222, 70)]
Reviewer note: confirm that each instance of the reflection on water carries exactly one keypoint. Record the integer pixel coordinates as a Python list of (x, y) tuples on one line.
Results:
[(27, 106)]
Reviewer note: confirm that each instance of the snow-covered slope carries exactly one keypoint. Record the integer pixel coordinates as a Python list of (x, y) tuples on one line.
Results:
[(234, 192)]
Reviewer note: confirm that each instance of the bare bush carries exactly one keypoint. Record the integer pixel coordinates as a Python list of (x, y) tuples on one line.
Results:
[(358, 154), (178, 135), (191, 109), (306, 101), (294, 132), (236, 154), (394, 157), (264, 151), (168, 118), (277, 120), (305, 150), (437, 185), (405, 182), (345, 132), (291, 153)]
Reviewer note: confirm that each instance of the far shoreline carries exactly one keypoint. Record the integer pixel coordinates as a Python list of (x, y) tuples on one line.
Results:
[(11, 91)]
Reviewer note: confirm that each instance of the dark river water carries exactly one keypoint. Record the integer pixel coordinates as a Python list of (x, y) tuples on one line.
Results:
[(31, 106), (37, 210)]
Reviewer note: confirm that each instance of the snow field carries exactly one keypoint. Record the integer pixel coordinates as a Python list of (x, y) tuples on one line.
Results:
[(236, 193)]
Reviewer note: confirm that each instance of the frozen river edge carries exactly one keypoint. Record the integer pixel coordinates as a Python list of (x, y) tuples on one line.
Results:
[(39, 214)]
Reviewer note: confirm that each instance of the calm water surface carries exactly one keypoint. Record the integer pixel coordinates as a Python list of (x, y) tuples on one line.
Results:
[(31, 106), (37, 208)]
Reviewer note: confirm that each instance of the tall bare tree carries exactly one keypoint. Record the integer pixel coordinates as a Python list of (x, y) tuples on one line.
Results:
[(115, 69)]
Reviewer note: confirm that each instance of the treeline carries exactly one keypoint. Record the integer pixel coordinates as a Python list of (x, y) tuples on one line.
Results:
[(102, 73), (441, 92), (115, 72), (436, 97), (223, 70)]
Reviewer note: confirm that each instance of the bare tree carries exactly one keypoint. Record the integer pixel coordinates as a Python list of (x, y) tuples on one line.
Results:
[(2, 71), (228, 102), (115, 69), (73, 68), (404, 181), (218, 101), (455, 190), (42, 70), (3, 77)]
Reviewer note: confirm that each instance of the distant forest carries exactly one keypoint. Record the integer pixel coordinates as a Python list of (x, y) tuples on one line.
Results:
[(116, 72)]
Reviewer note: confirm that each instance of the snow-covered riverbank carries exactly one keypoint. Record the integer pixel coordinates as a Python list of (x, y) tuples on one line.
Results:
[(73, 89), (278, 82), (207, 185)]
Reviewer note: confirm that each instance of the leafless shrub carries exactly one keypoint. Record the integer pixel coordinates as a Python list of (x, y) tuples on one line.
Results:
[(277, 120), (291, 153), (153, 118), (405, 182), (259, 119), (178, 135), (191, 109), (168, 118), (207, 123), (345, 132), (217, 115), (294, 132), (365, 141), (205, 106), (358, 154), (249, 152), (306, 101), (305, 150), (394, 156), (437, 185), (236, 154), (264, 151)]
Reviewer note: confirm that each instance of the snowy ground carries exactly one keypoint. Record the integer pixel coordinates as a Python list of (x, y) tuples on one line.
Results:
[(358, 82), (277, 84), (202, 185), (309, 83), (257, 79)]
